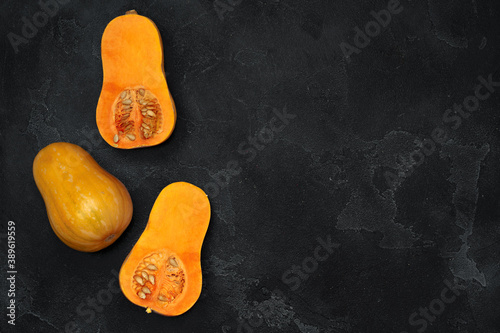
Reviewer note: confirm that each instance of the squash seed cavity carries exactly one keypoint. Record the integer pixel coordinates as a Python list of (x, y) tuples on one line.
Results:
[(137, 113), (159, 276)]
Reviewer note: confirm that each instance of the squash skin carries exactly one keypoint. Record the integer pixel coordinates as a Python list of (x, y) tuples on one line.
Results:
[(177, 223), (132, 56), (88, 208)]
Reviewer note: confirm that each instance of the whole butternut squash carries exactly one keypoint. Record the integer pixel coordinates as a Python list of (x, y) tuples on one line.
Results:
[(88, 208)]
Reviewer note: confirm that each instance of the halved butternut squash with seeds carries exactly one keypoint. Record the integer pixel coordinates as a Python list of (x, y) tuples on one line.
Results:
[(88, 208), (163, 271), (135, 108)]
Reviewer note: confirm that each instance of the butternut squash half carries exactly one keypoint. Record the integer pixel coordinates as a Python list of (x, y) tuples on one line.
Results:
[(163, 271), (135, 108)]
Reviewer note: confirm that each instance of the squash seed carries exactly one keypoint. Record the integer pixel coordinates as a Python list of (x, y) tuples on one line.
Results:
[(151, 113), (139, 280), (131, 137), (152, 279), (123, 94), (116, 138), (145, 126), (152, 267), (162, 298), (141, 92), (150, 107), (151, 103), (146, 290), (127, 101), (145, 275), (141, 295), (173, 262)]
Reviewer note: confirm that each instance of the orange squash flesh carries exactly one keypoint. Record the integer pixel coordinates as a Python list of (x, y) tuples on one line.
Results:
[(88, 208), (169, 250), (132, 60)]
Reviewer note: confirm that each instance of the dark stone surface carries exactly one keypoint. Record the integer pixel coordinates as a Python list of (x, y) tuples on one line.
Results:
[(322, 177)]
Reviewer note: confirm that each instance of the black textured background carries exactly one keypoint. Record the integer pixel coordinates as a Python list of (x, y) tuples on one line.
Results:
[(322, 176)]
